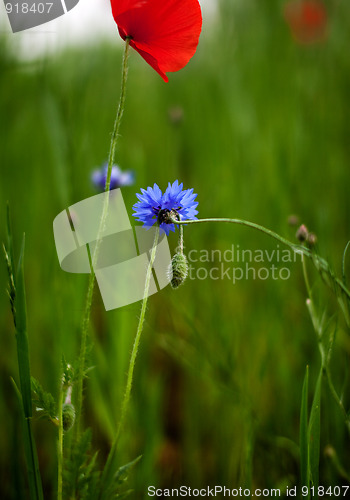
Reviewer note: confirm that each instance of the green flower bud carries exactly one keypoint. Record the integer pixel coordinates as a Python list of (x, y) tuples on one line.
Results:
[(178, 270), (68, 416)]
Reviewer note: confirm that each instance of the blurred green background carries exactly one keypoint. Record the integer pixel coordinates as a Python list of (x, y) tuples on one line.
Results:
[(258, 125)]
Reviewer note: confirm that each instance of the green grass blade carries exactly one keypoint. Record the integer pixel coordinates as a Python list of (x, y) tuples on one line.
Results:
[(315, 433), (9, 248), (29, 446), (303, 434), (343, 262), (25, 381), (18, 481), (22, 337)]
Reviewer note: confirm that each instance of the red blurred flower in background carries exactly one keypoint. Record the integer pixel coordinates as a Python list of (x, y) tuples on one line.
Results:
[(307, 20), (164, 32)]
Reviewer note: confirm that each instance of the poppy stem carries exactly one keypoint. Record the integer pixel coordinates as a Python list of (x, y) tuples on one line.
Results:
[(119, 114), (93, 259), (109, 471)]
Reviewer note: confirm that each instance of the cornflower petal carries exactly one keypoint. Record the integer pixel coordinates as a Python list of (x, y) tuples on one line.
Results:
[(154, 206)]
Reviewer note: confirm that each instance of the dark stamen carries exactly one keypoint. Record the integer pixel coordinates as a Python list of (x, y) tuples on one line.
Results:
[(165, 216)]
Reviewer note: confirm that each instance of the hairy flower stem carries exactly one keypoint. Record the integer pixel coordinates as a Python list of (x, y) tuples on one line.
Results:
[(109, 469), (88, 302), (181, 240), (119, 115), (241, 222), (321, 265)]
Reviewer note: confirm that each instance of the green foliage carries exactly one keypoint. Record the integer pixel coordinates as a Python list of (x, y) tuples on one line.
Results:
[(310, 434), (79, 475), (82, 477), (113, 490), (17, 296), (343, 262), (9, 259), (44, 402), (314, 434)]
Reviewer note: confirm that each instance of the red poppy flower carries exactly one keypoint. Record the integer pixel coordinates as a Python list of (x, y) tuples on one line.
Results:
[(307, 20), (164, 32)]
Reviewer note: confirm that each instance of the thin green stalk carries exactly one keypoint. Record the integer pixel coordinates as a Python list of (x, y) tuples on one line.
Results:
[(83, 349), (91, 284), (241, 222), (303, 434), (317, 324), (306, 279), (109, 470), (337, 399), (60, 447), (311, 308), (321, 265), (119, 115)]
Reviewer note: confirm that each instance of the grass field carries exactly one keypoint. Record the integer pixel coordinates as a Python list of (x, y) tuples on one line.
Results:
[(263, 133)]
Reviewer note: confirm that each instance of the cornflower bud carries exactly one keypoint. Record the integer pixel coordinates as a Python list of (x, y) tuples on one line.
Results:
[(178, 270)]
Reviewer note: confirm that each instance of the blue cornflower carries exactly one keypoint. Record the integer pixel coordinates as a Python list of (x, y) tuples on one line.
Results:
[(155, 206), (118, 177)]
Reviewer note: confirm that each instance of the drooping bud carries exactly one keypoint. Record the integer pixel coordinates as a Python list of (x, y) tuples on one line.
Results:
[(312, 240), (302, 233), (178, 270), (68, 416)]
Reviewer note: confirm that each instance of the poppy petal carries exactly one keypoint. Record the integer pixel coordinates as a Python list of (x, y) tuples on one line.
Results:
[(164, 32)]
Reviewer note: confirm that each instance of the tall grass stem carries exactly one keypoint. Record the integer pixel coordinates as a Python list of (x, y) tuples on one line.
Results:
[(60, 446), (88, 302)]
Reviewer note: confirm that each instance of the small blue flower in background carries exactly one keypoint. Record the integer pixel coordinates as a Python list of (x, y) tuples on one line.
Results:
[(155, 206), (118, 178)]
